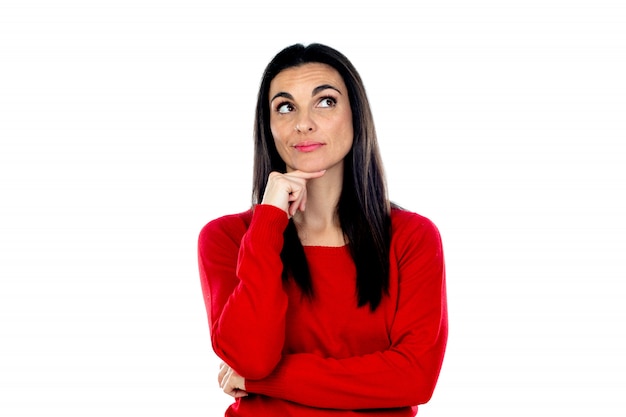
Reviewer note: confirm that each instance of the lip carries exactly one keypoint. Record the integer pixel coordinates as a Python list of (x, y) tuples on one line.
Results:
[(308, 146)]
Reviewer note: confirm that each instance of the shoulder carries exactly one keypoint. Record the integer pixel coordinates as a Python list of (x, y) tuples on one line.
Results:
[(405, 222), (226, 228), (410, 229)]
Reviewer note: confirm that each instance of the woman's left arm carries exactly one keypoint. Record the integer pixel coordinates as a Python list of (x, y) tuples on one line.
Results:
[(403, 375)]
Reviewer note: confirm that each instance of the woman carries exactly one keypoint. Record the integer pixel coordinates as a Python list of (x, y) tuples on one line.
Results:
[(323, 298)]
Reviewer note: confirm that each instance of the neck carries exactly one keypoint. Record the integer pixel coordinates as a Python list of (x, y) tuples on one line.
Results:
[(319, 223)]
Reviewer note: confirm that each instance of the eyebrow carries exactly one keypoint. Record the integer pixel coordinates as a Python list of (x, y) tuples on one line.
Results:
[(315, 91), (323, 87)]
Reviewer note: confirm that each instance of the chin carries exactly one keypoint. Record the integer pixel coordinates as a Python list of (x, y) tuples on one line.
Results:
[(315, 166), (309, 167)]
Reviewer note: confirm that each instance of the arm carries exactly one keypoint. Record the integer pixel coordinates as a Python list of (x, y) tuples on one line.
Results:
[(403, 375), (242, 281), (240, 272)]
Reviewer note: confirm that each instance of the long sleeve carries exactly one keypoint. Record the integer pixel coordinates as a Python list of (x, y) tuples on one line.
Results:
[(403, 375), (240, 272)]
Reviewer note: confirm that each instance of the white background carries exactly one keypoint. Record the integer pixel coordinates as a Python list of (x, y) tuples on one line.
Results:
[(126, 125)]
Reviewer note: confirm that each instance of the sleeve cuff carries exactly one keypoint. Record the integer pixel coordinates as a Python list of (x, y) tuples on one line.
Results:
[(268, 224)]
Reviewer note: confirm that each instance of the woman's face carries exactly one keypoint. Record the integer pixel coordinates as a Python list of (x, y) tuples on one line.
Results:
[(310, 117)]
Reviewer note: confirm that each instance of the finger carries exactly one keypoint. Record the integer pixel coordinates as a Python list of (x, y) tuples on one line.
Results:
[(301, 194), (288, 191), (234, 388), (296, 198), (297, 203), (229, 386), (225, 378), (223, 369), (239, 393)]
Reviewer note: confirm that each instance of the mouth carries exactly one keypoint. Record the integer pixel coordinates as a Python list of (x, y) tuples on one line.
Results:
[(308, 146)]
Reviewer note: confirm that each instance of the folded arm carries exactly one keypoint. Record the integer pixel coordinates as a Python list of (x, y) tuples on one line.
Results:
[(403, 375), (240, 271)]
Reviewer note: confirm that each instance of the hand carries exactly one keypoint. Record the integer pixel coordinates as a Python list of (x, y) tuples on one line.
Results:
[(231, 382), (288, 191)]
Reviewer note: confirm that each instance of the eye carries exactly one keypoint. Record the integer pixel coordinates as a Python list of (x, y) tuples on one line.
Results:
[(284, 107), (328, 101)]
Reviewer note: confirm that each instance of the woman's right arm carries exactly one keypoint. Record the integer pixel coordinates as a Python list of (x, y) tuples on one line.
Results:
[(241, 276)]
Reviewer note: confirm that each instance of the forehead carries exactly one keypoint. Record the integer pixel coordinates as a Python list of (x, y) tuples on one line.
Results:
[(306, 77)]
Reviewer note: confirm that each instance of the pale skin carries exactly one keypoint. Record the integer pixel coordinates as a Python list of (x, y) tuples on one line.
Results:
[(311, 122)]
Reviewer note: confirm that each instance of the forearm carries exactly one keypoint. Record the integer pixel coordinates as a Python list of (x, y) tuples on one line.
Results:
[(387, 379), (244, 293), (245, 338)]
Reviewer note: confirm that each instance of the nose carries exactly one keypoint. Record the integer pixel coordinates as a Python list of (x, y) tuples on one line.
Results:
[(304, 123)]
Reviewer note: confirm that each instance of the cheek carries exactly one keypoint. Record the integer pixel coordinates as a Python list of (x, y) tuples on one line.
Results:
[(347, 126), (348, 134), (278, 132), (280, 143)]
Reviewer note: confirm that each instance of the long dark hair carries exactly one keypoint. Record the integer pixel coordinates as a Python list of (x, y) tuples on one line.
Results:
[(363, 208)]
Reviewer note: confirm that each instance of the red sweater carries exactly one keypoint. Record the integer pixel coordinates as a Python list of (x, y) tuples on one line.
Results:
[(324, 356)]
